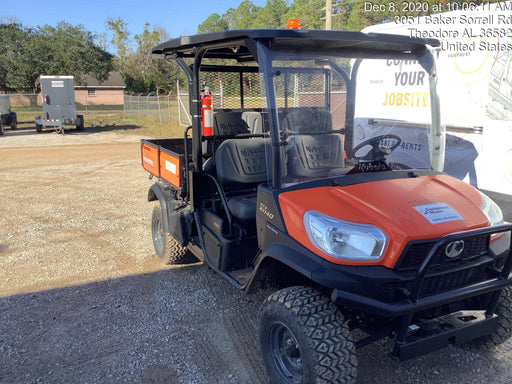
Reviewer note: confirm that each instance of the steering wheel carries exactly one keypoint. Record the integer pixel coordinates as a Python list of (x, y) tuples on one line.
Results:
[(377, 152)]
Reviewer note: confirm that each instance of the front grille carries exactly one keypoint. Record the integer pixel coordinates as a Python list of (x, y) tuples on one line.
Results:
[(441, 282), (454, 280), (415, 253), (473, 265)]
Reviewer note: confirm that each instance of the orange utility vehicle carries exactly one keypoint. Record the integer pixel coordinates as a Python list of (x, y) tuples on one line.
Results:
[(296, 181)]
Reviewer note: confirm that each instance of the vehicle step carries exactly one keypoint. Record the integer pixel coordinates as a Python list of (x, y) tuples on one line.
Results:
[(242, 275)]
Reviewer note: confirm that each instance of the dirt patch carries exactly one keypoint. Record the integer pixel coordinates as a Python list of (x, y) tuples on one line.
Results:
[(83, 298)]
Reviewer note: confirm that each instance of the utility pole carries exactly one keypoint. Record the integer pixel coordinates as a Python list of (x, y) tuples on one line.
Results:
[(328, 14)]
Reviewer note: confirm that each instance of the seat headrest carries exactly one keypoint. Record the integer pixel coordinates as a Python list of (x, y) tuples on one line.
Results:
[(307, 120), (241, 161), (229, 124), (315, 156)]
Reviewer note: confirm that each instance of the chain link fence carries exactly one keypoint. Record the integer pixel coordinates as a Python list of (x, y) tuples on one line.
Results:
[(170, 108), (175, 108)]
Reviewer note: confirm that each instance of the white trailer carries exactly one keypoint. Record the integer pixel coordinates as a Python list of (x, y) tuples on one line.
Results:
[(7, 117), (474, 64), (58, 99)]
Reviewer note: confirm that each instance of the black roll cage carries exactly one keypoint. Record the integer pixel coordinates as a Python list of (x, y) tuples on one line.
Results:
[(262, 46)]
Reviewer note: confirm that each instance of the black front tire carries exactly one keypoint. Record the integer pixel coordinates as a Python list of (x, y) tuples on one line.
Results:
[(504, 331), (304, 339), (167, 248)]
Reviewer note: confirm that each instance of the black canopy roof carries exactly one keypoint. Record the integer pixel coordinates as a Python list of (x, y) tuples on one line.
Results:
[(232, 44)]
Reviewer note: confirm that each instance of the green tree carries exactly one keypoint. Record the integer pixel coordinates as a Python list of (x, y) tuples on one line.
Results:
[(243, 16), (272, 15), (120, 40), (340, 13), (214, 22), (61, 50), (311, 13), (148, 73), (12, 37)]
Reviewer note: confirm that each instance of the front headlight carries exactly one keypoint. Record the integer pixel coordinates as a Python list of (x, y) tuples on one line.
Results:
[(491, 210), (344, 240)]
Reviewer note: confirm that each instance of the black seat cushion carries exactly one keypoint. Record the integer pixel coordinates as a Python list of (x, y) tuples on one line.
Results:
[(243, 207)]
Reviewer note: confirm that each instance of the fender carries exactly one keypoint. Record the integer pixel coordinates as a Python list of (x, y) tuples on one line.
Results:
[(176, 214), (299, 261), (156, 192)]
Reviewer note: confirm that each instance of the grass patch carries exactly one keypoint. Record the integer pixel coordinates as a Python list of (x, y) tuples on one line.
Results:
[(111, 121), (133, 125), (100, 107)]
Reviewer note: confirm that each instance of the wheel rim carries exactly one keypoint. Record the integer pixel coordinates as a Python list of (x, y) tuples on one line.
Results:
[(285, 353), (158, 235)]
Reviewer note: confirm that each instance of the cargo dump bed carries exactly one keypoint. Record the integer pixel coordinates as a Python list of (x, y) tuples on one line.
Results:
[(165, 158)]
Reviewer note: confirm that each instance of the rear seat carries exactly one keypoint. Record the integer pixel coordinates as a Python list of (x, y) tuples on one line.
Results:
[(225, 123), (254, 121), (312, 150), (229, 124)]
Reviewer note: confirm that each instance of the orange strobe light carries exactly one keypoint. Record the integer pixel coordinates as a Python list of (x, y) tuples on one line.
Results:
[(293, 24)]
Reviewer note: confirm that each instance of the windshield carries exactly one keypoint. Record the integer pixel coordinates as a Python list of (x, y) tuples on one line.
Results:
[(335, 116)]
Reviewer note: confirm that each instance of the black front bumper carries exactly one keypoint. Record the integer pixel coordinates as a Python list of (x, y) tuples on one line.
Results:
[(410, 340), (406, 307), (413, 300)]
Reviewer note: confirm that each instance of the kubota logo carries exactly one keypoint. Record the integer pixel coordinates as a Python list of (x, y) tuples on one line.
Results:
[(454, 249)]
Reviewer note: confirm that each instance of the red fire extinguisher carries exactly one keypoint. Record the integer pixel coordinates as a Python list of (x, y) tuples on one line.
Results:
[(206, 113)]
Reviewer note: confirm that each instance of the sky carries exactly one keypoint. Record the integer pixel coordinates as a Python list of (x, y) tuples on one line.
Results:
[(176, 17)]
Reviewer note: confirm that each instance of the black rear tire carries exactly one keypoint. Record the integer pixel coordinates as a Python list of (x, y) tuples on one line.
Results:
[(80, 125), (14, 121), (167, 248), (304, 339)]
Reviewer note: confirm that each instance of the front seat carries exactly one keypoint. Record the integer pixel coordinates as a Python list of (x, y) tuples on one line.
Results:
[(241, 166)]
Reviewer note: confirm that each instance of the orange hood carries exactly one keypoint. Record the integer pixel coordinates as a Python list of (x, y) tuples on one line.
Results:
[(426, 207)]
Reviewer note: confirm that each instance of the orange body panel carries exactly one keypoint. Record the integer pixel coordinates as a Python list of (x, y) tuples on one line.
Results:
[(170, 168), (150, 159), (390, 206)]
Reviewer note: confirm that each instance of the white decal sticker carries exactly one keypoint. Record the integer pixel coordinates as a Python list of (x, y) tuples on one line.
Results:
[(148, 161), (438, 213), (170, 166), (57, 84)]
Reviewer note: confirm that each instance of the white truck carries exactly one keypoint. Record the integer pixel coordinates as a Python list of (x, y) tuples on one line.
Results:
[(58, 99), (474, 68)]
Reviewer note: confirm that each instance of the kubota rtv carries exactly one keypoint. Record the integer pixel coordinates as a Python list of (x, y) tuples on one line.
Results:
[(310, 179)]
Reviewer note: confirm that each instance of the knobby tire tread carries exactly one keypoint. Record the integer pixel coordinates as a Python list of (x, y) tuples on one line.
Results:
[(324, 326), (504, 331)]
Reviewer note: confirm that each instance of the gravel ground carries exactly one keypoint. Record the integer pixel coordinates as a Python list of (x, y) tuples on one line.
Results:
[(84, 300)]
